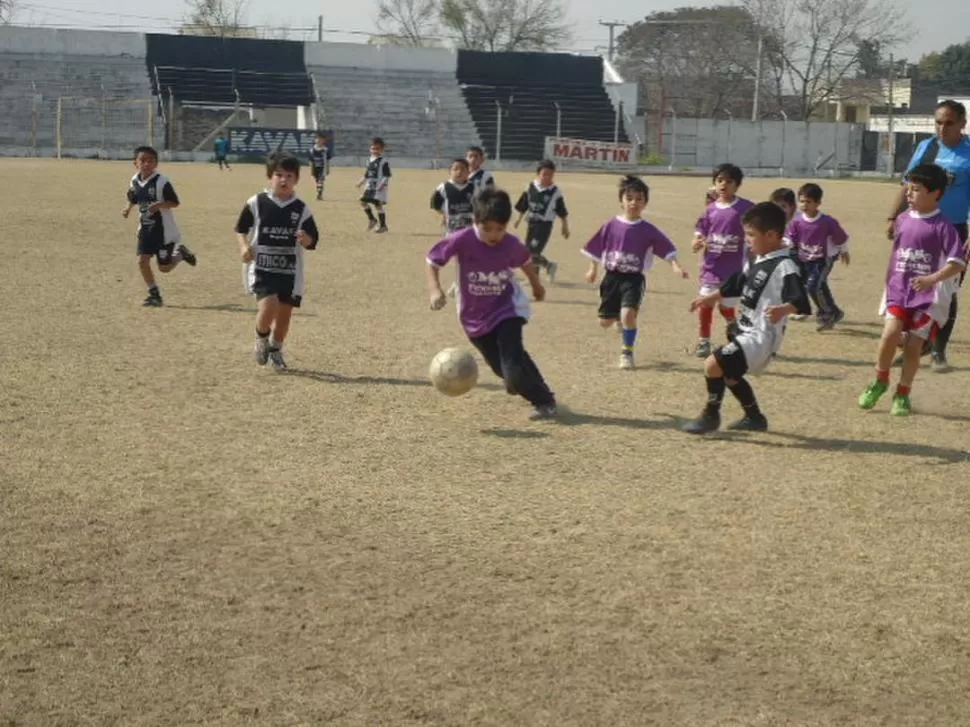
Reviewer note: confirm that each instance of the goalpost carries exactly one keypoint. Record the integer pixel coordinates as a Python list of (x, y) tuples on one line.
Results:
[(91, 125)]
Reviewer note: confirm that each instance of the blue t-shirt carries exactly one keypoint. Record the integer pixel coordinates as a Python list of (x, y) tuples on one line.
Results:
[(955, 204), (221, 146)]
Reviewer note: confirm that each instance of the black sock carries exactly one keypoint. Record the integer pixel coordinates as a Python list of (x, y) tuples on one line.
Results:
[(715, 395), (745, 395), (383, 219), (153, 289), (370, 214)]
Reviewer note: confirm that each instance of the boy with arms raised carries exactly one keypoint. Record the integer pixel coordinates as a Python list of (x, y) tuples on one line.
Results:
[(927, 255), (769, 290), (626, 246), (492, 306), (273, 230)]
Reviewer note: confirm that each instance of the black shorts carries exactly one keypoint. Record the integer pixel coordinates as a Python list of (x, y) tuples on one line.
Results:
[(267, 284), (537, 237), (368, 199), (730, 357), (318, 172), (155, 245), (620, 290)]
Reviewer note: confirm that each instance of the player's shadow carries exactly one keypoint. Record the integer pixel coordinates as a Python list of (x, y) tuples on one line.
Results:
[(787, 358), (855, 333), (671, 366), (233, 308), (328, 377), (944, 455), (514, 434), (569, 418)]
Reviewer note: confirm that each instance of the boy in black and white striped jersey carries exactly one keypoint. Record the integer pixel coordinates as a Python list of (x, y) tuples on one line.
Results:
[(543, 202)]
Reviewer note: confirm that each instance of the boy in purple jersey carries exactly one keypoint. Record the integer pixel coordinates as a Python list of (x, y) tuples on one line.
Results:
[(927, 250), (818, 241), (626, 246), (492, 307), (720, 234), (784, 197)]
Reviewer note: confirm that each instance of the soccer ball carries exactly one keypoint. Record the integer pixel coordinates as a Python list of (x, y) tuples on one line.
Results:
[(454, 371)]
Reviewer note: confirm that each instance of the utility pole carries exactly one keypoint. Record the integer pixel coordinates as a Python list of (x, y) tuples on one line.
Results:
[(757, 77), (889, 126), (612, 25), (319, 29)]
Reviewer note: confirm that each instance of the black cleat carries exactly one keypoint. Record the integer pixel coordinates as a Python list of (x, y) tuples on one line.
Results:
[(188, 256), (545, 411), (748, 423), (704, 424), (371, 224), (154, 300), (380, 230)]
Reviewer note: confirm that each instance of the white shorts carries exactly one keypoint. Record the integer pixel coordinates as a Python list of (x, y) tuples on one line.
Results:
[(725, 302)]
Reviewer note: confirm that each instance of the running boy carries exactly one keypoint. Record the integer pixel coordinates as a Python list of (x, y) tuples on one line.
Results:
[(626, 246), (818, 241), (453, 199), (478, 175), (319, 161), (273, 230), (158, 236), (927, 254), (543, 201), (720, 235), (376, 177), (221, 148), (769, 289), (492, 306)]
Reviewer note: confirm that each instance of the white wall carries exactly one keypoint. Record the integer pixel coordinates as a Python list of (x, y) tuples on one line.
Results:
[(795, 146), (359, 55), (55, 41), (924, 124)]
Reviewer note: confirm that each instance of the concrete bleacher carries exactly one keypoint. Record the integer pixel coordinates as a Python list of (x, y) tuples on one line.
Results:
[(367, 91), (101, 78)]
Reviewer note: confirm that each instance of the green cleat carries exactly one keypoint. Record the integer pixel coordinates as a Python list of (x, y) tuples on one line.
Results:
[(870, 397), (901, 406)]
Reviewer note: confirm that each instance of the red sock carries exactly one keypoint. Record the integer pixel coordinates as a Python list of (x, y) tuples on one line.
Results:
[(882, 376), (728, 314), (903, 390), (707, 320)]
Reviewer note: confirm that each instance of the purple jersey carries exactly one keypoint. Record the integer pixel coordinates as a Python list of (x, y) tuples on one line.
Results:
[(622, 246), (816, 238), (488, 292), (721, 226), (923, 244)]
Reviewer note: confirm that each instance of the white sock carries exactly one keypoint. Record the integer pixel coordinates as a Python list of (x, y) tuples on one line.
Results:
[(275, 345)]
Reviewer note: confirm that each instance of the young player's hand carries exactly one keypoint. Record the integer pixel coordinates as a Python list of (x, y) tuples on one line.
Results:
[(153, 208), (681, 271), (698, 302), (539, 292), (845, 258), (125, 212), (891, 230), (304, 239), (776, 312), (565, 230), (438, 300), (591, 275), (699, 243), (246, 255), (924, 282)]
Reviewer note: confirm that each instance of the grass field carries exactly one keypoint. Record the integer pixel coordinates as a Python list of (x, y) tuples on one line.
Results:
[(188, 538)]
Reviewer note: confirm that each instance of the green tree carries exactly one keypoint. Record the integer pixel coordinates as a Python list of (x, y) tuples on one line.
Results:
[(506, 25), (955, 65)]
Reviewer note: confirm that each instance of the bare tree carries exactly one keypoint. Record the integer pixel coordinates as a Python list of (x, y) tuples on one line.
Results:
[(812, 46), (679, 59), (7, 10), (217, 17), (407, 22), (506, 25)]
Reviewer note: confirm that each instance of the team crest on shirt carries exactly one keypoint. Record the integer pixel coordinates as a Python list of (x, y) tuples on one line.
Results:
[(294, 217), (759, 278), (482, 283)]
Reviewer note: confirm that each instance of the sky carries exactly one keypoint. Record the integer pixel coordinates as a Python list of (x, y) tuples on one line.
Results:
[(352, 21)]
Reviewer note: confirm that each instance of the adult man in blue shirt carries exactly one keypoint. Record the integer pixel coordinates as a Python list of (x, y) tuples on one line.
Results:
[(949, 149)]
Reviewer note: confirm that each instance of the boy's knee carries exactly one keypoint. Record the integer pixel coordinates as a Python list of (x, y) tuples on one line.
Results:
[(607, 322), (712, 369)]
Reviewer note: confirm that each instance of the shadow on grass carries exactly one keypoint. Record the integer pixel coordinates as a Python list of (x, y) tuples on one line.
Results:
[(786, 358), (332, 378), (671, 366), (234, 308), (514, 434)]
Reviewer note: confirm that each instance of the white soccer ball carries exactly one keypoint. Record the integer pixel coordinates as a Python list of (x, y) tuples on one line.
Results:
[(454, 371)]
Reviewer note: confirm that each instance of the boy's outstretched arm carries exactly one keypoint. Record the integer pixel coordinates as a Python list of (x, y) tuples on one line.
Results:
[(538, 291), (925, 282), (677, 267), (435, 293)]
